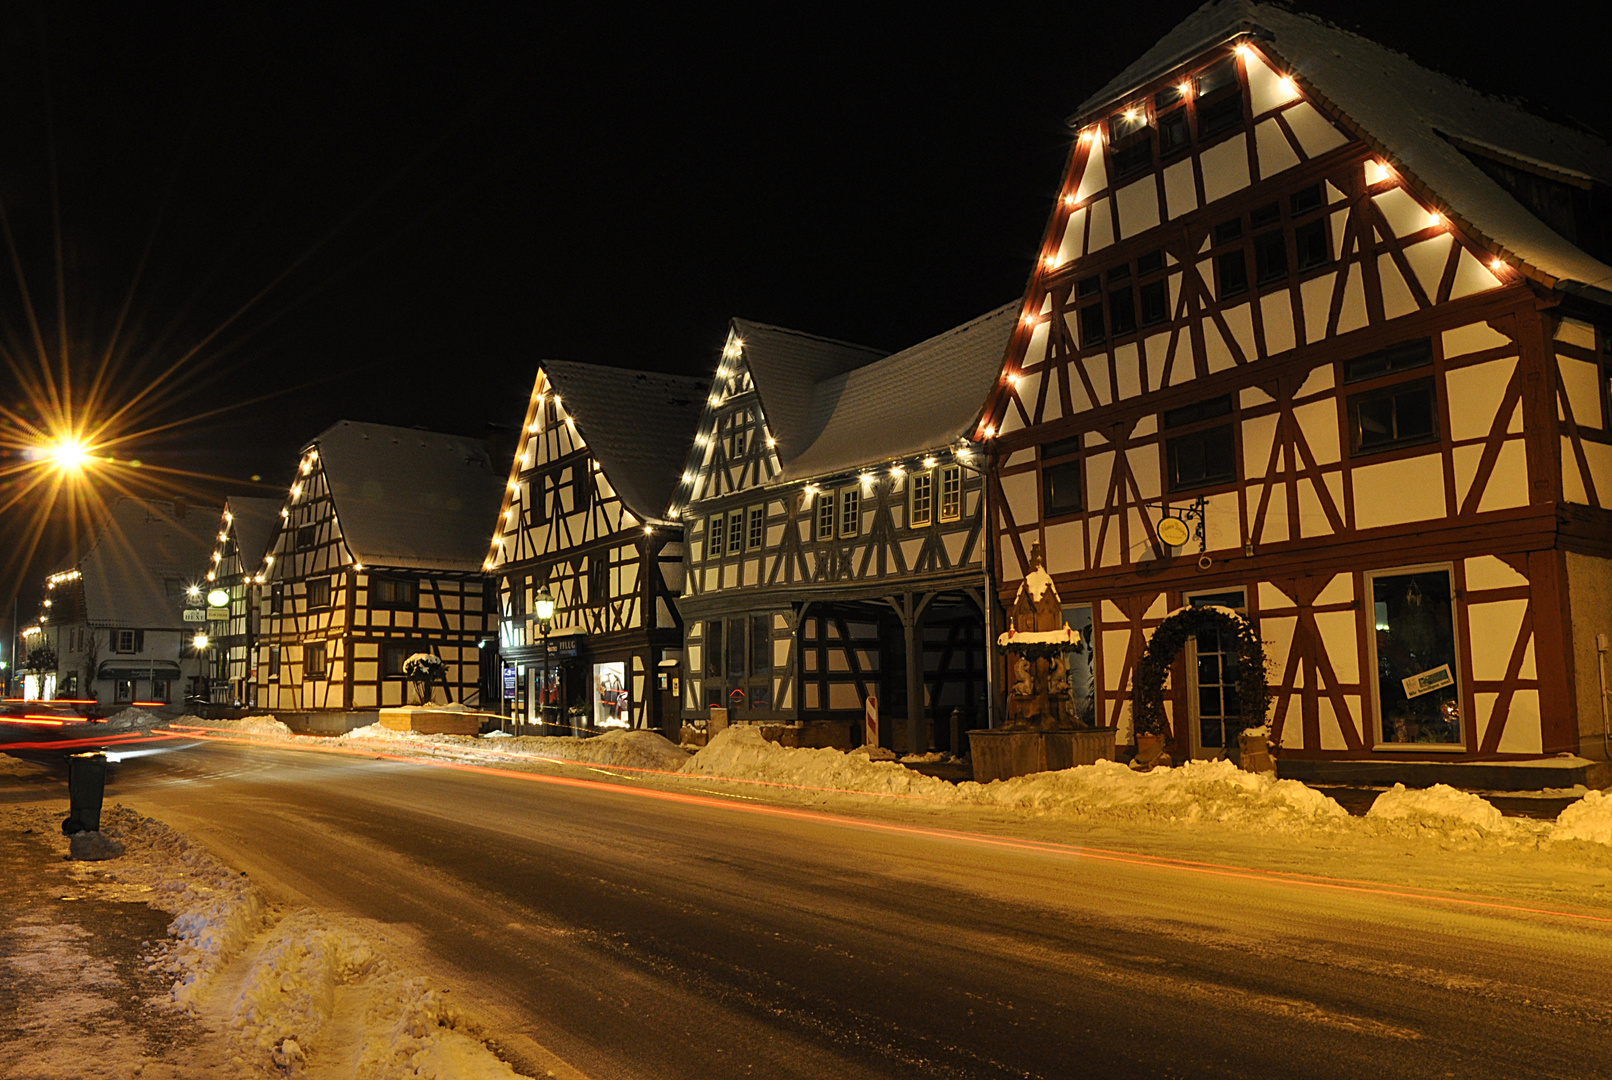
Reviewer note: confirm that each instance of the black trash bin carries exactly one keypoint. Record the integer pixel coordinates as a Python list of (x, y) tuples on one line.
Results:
[(86, 785)]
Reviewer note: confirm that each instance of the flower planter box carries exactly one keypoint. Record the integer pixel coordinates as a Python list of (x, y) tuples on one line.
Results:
[(999, 755)]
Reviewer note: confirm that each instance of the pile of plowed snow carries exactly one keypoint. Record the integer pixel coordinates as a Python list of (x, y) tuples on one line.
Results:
[(625, 749), (309, 992), (1200, 791), (1445, 813), (741, 752), (261, 726), (1588, 819), (1197, 791)]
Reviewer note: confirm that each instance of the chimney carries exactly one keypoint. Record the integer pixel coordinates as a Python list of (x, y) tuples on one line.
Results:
[(181, 509)]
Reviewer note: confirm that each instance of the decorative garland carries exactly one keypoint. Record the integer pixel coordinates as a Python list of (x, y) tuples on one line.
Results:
[(1147, 684)]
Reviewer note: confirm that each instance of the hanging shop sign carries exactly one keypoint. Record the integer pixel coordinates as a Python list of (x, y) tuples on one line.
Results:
[(195, 615), (1174, 531)]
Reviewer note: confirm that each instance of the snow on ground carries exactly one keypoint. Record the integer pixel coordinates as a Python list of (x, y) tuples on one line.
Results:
[(1444, 812), (131, 717), (626, 749), (261, 726), (1209, 791), (305, 994), (1588, 819), (1197, 791), (1194, 792), (741, 752)]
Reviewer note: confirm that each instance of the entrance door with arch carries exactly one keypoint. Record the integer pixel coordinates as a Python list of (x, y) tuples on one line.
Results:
[(1211, 658)]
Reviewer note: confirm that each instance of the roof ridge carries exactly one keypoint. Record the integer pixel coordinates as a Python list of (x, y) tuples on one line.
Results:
[(810, 336), (995, 313)]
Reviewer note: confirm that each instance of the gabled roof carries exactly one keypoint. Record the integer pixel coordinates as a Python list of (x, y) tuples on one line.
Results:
[(144, 554), (785, 365), (1411, 113), (255, 522), (638, 425), (407, 498), (921, 398)]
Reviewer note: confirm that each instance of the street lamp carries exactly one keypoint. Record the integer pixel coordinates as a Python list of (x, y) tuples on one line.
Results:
[(543, 607)]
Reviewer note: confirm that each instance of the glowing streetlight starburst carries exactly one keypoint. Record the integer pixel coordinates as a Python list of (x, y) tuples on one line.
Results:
[(67, 455)]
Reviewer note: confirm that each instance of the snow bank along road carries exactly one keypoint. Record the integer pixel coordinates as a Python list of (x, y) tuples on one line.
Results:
[(644, 933)]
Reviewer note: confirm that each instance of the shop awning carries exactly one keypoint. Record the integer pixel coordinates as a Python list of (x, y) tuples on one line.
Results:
[(138, 669)]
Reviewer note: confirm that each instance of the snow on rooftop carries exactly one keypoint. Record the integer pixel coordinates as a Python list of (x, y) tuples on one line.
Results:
[(1410, 111)]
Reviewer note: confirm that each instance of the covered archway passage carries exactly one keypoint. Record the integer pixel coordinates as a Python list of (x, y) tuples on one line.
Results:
[(921, 654)]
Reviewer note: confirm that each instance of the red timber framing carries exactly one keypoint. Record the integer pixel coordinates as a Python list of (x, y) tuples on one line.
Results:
[(1273, 317), (585, 516), (335, 628)]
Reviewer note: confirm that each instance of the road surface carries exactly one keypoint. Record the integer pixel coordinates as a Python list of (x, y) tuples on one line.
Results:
[(640, 936)]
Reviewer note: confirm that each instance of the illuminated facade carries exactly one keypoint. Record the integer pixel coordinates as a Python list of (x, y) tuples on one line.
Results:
[(1335, 323), (836, 548), (585, 517)]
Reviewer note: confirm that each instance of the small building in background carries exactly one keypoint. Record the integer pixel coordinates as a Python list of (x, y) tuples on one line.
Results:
[(378, 555), (245, 532), (585, 518), (111, 628)]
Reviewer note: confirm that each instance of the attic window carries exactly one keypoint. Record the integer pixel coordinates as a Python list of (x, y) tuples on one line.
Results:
[(1576, 208)]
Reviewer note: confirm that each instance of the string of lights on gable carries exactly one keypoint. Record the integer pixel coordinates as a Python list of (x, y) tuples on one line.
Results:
[(1093, 139), (723, 389), (525, 454)]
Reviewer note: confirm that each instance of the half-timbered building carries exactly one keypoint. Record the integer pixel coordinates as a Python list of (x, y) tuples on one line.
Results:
[(378, 555), (111, 626), (585, 517), (836, 551), (245, 531), (1343, 319)]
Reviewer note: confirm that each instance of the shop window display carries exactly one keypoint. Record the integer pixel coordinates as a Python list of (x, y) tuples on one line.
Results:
[(1418, 685), (611, 706)]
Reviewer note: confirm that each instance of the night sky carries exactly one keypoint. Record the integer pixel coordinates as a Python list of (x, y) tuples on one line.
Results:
[(392, 215)]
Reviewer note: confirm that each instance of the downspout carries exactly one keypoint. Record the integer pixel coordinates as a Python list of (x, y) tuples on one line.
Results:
[(1600, 670)]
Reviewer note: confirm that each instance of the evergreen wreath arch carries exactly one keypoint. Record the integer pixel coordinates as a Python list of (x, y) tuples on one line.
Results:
[(1171, 636)]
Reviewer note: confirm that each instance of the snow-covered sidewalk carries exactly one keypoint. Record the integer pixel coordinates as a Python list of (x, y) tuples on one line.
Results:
[(239, 987)]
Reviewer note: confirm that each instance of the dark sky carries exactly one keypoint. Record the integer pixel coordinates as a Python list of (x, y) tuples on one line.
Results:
[(392, 213)]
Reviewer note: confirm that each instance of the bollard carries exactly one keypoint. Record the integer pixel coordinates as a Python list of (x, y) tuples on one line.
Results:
[(86, 784)]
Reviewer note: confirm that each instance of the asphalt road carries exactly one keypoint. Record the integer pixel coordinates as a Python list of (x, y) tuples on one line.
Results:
[(640, 936)]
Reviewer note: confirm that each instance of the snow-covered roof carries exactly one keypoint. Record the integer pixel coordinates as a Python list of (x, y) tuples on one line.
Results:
[(143, 556), (638, 425), (921, 398), (254, 521), (407, 498), (1410, 113), (785, 366)]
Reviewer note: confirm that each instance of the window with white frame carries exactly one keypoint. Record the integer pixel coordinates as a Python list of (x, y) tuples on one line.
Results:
[(714, 536), (850, 511), (736, 532), (757, 529), (825, 515), (921, 499), (951, 493)]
